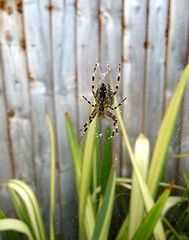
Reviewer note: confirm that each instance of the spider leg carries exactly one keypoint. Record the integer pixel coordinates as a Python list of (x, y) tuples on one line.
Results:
[(88, 101), (118, 78), (93, 78), (86, 125), (115, 129), (113, 108)]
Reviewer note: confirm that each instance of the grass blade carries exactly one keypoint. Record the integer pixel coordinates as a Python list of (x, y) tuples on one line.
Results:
[(19, 207), (148, 200), (86, 174), (15, 225), (136, 210), (186, 178), (11, 235), (147, 226), (89, 219), (165, 134), (171, 201), (52, 190), (75, 151), (98, 157), (107, 160), (31, 205), (180, 155), (105, 214)]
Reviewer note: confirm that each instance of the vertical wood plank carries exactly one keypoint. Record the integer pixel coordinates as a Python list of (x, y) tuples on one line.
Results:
[(155, 67), (64, 80), (183, 165), (5, 162), (176, 62), (134, 37), (87, 39), (111, 52), (111, 35), (16, 93), (38, 44)]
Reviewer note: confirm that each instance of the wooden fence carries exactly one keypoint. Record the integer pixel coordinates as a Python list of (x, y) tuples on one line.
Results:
[(48, 49)]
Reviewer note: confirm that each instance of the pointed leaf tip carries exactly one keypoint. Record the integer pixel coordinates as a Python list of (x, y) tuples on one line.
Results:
[(171, 185), (66, 111), (46, 109)]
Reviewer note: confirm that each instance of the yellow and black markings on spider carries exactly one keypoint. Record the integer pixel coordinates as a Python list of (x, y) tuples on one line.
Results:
[(104, 98)]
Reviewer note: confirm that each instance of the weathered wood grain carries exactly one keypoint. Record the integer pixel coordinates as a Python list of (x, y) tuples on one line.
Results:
[(183, 165), (176, 62), (5, 163), (134, 37), (87, 52), (6, 169), (38, 45), (63, 23), (16, 90), (110, 35), (110, 46), (155, 67)]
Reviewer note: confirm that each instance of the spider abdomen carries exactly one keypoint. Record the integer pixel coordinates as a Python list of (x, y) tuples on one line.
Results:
[(102, 92), (104, 95)]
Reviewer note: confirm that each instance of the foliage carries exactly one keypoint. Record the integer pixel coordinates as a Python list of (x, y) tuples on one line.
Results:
[(29, 220), (145, 209), (148, 215)]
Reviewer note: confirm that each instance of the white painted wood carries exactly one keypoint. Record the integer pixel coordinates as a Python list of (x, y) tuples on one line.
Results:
[(177, 44), (5, 161), (184, 162), (134, 35), (38, 42), (111, 35), (15, 107), (37, 31), (64, 80), (16, 90), (87, 38), (176, 62), (111, 53), (155, 68)]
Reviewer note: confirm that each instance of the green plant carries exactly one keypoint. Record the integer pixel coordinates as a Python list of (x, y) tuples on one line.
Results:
[(96, 187), (96, 199), (29, 220)]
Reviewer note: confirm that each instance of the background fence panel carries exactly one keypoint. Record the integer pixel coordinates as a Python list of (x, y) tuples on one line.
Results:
[(110, 40), (87, 38), (38, 42), (48, 49), (177, 53), (16, 96), (63, 23), (16, 91), (155, 67), (134, 37)]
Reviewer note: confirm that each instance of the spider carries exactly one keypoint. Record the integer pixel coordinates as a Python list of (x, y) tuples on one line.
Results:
[(104, 97)]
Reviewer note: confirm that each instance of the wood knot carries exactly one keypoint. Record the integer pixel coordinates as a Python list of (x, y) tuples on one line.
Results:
[(11, 113), (19, 6)]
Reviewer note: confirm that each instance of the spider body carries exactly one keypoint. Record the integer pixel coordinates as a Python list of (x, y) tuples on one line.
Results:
[(104, 97)]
